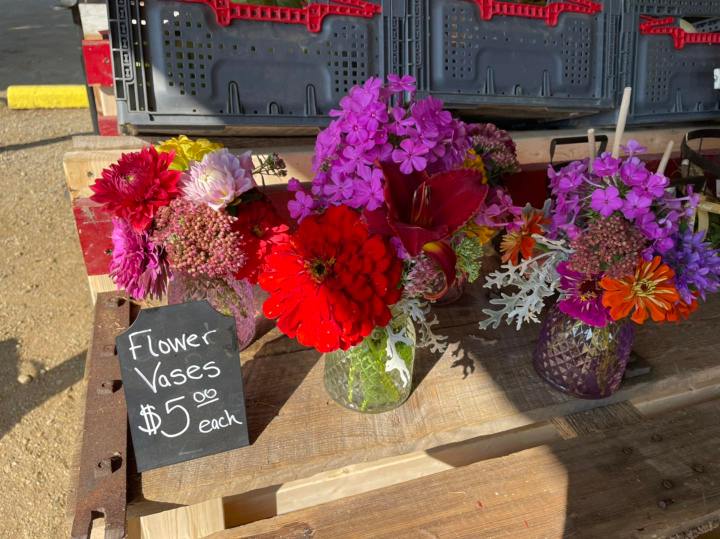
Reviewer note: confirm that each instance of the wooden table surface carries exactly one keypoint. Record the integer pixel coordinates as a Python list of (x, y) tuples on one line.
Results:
[(658, 478), (480, 399)]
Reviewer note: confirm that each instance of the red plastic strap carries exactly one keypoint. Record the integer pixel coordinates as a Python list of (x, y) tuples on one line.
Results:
[(311, 15), (549, 13), (680, 37)]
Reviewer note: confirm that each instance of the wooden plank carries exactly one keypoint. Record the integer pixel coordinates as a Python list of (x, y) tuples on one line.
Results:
[(94, 19), (500, 393), (99, 284), (190, 522), (533, 147), (82, 167), (92, 154), (105, 100), (656, 479)]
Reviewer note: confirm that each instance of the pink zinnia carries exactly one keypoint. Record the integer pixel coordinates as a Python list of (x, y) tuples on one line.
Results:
[(137, 186), (138, 265), (582, 297), (218, 179)]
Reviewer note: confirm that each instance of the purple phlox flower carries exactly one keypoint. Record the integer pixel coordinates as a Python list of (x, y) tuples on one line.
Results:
[(648, 225), (354, 126), (294, 185), (380, 152), (397, 84), (568, 178), (635, 204), (664, 244), (361, 97), (660, 231), (572, 231), (606, 165), (634, 172), (401, 121), (655, 185), (566, 207), (582, 297), (369, 189), (352, 158), (138, 265), (411, 156), (375, 116), (301, 206), (696, 264), (373, 85), (606, 201), (339, 189), (686, 206), (318, 183), (498, 210), (633, 147)]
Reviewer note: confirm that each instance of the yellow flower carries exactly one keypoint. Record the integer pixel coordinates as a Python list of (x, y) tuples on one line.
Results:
[(475, 162), (187, 150), (482, 234)]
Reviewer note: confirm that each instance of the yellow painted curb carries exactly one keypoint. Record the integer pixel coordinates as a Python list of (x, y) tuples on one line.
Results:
[(55, 96)]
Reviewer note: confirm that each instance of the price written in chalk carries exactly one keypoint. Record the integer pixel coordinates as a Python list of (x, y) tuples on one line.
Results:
[(183, 384), (153, 420)]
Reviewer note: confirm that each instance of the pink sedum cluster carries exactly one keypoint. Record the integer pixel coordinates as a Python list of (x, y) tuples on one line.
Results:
[(218, 179), (200, 242), (610, 246)]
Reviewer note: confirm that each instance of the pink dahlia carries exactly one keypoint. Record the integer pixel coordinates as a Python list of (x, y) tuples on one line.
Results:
[(218, 179), (138, 265), (136, 186)]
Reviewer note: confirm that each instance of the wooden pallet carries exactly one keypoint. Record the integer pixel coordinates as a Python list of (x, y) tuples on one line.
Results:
[(479, 416), (648, 479), (91, 155)]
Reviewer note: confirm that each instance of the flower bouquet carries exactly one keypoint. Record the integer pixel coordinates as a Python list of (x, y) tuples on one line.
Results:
[(189, 220), (393, 217), (617, 245)]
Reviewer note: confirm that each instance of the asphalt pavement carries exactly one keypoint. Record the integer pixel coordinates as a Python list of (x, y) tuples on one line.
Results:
[(39, 44)]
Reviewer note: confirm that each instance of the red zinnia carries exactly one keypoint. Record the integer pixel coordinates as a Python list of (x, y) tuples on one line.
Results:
[(137, 185), (261, 227), (331, 282)]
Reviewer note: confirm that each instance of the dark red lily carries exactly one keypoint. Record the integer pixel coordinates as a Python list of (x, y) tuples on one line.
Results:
[(425, 211)]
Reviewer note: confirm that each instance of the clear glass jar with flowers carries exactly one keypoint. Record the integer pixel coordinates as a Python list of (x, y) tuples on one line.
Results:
[(616, 245), (394, 216)]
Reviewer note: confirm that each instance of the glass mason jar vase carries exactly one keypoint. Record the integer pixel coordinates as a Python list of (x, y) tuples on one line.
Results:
[(367, 378), (454, 292), (231, 297), (582, 360)]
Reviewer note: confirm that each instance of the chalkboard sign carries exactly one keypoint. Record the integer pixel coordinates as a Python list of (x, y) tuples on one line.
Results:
[(183, 384)]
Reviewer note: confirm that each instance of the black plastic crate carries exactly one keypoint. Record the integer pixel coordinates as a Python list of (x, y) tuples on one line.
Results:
[(496, 58), (671, 81), (178, 70)]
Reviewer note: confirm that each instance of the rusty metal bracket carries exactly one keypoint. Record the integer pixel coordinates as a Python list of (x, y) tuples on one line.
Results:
[(101, 489)]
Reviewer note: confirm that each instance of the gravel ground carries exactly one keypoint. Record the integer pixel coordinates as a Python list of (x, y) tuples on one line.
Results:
[(45, 320)]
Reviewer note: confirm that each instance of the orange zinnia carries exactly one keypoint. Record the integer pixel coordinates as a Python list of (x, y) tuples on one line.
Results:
[(519, 242), (681, 311), (649, 290)]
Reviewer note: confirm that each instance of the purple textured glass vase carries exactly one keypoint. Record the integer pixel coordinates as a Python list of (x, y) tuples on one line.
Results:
[(231, 297), (582, 360)]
